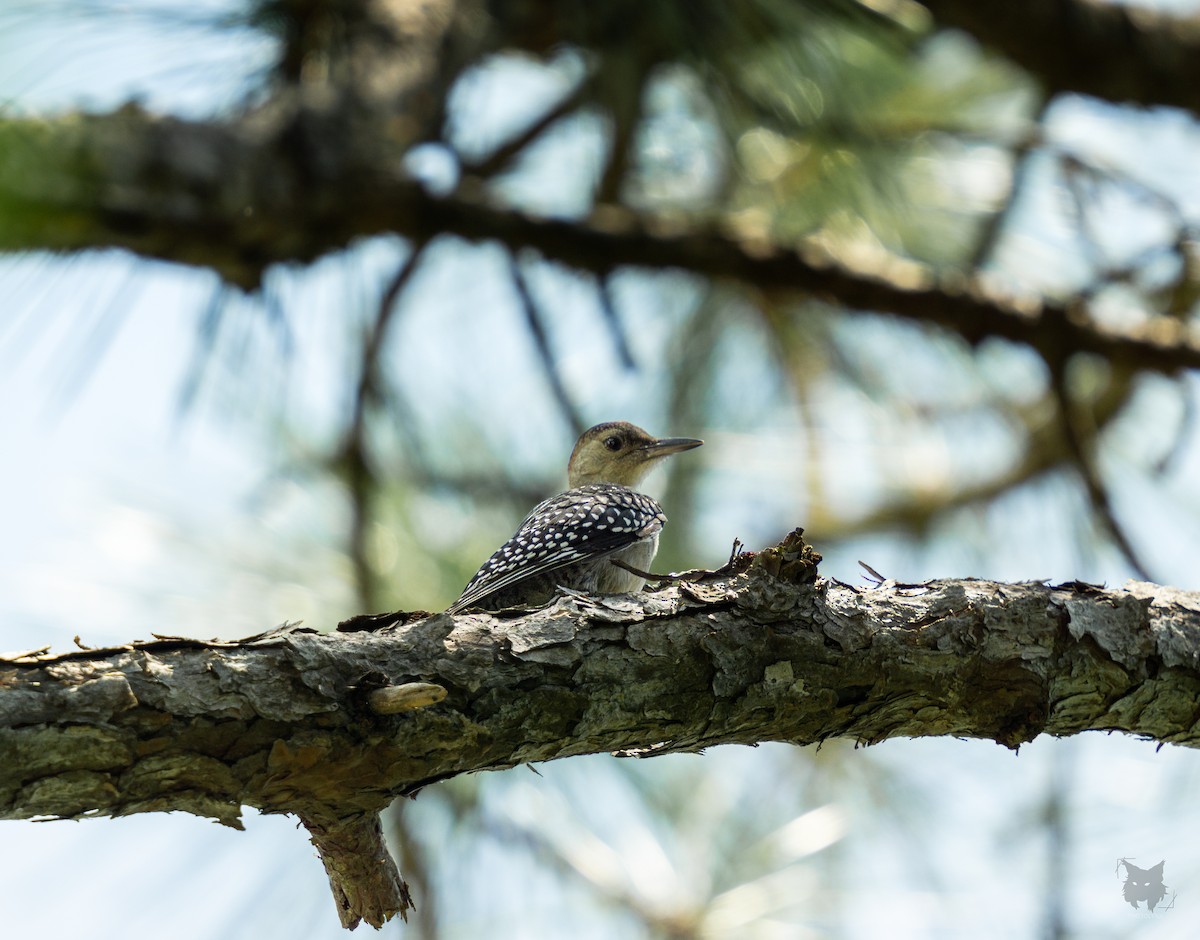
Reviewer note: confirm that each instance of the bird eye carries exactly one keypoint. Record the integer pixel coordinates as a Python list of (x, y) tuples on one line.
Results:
[(612, 443)]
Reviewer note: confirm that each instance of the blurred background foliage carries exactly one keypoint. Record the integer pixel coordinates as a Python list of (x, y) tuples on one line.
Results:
[(360, 433)]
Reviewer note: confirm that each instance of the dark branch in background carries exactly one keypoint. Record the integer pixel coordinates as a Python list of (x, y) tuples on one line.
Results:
[(387, 306), (1084, 181), (1107, 50), (1189, 412), (169, 220), (503, 156), (1022, 158), (612, 319), (537, 331), (1077, 179), (1083, 444), (1045, 449), (353, 460), (960, 305), (620, 80)]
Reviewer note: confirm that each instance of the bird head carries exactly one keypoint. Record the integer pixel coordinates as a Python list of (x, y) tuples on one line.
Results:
[(620, 452)]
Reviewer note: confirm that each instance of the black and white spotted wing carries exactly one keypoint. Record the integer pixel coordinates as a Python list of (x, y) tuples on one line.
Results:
[(587, 522)]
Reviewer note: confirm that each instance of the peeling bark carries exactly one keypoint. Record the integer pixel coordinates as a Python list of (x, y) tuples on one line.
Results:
[(763, 651)]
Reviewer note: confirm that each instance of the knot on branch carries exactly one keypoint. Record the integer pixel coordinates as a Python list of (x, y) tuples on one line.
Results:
[(394, 699), (793, 560)]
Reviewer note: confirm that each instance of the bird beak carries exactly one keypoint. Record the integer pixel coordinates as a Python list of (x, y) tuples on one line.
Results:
[(671, 445)]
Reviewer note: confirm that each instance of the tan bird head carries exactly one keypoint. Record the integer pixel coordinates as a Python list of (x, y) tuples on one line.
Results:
[(620, 452)]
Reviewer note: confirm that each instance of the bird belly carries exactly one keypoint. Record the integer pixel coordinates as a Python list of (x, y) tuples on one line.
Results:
[(614, 580)]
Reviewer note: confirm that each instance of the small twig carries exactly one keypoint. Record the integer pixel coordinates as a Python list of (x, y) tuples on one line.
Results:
[(696, 574), (872, 574), (645, 575)]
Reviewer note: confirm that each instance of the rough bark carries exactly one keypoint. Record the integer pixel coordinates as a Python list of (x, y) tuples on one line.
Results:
[(290, 721)]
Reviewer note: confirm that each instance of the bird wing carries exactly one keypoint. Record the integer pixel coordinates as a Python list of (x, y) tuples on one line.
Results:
[(584, 523)]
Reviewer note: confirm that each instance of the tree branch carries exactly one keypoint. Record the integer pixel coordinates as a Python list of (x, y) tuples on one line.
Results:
[(763, 652), (161, 187), (362, 875), (1107, 50)]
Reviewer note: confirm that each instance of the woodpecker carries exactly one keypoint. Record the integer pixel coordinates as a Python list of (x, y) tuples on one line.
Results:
[(573, 538)]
